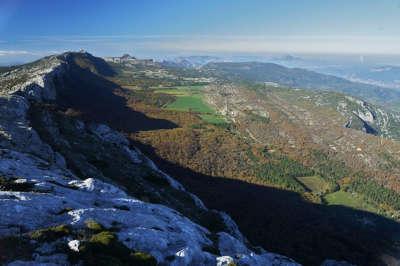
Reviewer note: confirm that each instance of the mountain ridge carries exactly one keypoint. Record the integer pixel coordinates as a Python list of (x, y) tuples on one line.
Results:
[(73, 127), (31, 127), (302, 78)]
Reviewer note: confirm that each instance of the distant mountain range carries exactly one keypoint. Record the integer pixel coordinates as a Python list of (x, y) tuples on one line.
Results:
[(384, 75), (378, 72), (191, 61), (301, 78)]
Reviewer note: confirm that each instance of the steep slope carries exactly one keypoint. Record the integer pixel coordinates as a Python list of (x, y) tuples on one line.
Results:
[(364, 116), (357, 114), (301, 78), (73, 190), (260, 184), (315, 128)]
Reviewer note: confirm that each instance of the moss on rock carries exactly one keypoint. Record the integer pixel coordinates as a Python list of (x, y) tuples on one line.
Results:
[(50, 233), (93, 225)]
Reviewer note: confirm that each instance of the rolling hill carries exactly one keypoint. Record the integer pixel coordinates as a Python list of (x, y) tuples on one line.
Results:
[(120, 158), (301, 78)]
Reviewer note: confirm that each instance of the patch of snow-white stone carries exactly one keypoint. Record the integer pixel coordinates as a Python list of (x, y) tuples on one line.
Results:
[(74, 245), (224, 261), (366, 115), (146, 227)]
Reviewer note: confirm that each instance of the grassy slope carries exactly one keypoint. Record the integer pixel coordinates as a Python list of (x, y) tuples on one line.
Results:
[(313, 183), (190, 103), (189, 98), (348, 199)]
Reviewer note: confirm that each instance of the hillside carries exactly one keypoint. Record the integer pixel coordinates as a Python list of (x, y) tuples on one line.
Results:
[(301, 78), (107, 156), (211, 158), (308, 125), (74, 190)]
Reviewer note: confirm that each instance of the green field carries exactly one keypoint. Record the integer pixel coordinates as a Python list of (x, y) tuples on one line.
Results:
[(179, 90), (348, 199), (192, 103), (190, 98), (314, 183), (213, 119), (175, 92)]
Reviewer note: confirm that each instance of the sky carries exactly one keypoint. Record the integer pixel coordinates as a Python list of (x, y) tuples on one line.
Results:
[(151, 28)]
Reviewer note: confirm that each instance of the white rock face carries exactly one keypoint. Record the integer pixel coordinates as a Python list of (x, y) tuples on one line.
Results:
[(105, 133), (224, 261), (74, 245), (146, 227), (60, 197)]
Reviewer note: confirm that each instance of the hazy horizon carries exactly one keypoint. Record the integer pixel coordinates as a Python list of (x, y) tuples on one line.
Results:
[(160, 29)]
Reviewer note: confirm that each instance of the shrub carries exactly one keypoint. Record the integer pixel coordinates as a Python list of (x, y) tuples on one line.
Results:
[(282, 171), (327, 167), (105, 238), (375, 192), (93, 225), (104, 248), (51, 233), (143, 259), (312, 197)]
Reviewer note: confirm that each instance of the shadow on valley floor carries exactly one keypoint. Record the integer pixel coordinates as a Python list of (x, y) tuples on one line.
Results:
[(282, 222), (278, 220), (94, 98)]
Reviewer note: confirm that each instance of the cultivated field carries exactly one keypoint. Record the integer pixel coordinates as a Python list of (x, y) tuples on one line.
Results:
[(190, 99)]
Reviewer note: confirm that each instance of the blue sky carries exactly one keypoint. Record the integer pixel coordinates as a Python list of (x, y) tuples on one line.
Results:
[(31, 28)]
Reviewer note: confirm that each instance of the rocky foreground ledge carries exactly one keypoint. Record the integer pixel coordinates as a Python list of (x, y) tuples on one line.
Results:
[(79, 193)]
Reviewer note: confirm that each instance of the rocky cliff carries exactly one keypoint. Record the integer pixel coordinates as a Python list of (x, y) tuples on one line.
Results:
[(76, 191)]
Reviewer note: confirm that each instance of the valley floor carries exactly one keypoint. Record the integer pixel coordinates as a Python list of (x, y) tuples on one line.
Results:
[(247, 154), (276, 219)]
